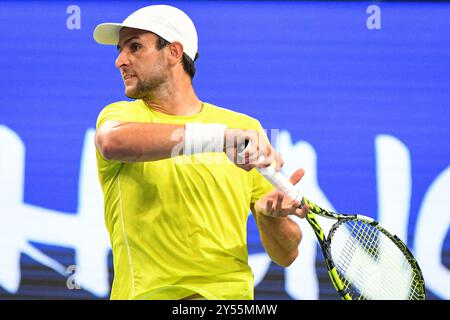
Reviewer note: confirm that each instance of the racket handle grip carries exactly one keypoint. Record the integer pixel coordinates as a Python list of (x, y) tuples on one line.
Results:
[(277, 179)]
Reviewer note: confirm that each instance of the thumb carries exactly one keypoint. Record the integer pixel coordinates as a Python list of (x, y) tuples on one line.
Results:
[(297, 176)]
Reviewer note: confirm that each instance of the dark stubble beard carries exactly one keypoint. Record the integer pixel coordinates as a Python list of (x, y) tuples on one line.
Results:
[(147, 87)]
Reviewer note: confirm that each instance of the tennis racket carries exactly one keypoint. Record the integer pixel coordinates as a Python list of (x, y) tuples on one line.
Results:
[(364, 261)]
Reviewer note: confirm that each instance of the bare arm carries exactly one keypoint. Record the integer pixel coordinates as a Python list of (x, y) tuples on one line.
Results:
[(134, 141), (137, 142), (280, 237)]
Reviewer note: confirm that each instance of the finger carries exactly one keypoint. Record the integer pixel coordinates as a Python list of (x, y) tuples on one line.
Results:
[(278, 206), (269, 206), (305, 211), (265, 158), (294, 206), (280, 161), (249, 156), (251, 146), (297, 176), (264, 163), (254, 148), (270, 160), (252, 137), (252, 161), (301, 213), (291, 208), (250, 153), (264, 148)]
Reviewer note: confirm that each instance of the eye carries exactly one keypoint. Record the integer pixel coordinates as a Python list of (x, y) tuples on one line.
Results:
[(135, 46)]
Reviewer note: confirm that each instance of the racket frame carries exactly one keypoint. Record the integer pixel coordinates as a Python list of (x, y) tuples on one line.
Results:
[(325, 245)]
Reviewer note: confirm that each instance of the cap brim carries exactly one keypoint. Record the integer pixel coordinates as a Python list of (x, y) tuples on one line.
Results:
[(107, 33)]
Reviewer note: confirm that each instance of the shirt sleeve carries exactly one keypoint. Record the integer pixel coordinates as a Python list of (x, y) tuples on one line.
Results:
[(119, 111)]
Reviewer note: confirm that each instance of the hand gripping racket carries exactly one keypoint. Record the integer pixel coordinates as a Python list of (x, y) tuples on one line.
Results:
[(363, 259)]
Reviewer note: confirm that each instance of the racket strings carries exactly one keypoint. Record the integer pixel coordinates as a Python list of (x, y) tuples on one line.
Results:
[(350, 248), (386, 286), (372, 247), (370, 264), (357, 280), (389, 285)]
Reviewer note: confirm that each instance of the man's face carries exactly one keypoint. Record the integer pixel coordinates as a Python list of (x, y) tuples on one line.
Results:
[(141, 65)]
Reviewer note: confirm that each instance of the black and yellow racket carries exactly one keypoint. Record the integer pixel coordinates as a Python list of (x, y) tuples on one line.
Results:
[(364, 260)]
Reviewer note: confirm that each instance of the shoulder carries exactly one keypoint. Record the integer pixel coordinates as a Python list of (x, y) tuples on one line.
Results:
[(122, 105), (228, 112), (233, 117), (121, 110)]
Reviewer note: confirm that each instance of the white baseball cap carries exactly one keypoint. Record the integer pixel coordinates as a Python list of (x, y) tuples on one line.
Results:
[(168, 22)]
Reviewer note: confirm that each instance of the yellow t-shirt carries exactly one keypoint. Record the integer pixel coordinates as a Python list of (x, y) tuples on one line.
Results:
[(178, 226)]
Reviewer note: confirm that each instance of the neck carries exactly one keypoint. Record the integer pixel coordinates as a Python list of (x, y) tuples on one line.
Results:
[(178, 99)]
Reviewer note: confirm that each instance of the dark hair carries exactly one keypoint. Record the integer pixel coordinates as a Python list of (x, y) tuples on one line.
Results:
[(188, 64)]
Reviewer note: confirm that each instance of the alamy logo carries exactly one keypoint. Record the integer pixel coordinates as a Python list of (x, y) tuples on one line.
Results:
[(71, 279), (373, 22), (73, 21)]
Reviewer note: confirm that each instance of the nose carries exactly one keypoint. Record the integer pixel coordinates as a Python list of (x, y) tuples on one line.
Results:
[(122, 59)]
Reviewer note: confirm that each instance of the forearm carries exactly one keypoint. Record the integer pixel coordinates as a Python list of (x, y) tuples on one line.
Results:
[(134, 142), (280, 237)]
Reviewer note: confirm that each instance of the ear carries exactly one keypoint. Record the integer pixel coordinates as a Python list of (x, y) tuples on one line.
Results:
[(175, 52)]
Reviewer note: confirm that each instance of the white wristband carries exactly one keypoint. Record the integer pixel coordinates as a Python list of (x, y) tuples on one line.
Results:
[(199, 137)]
